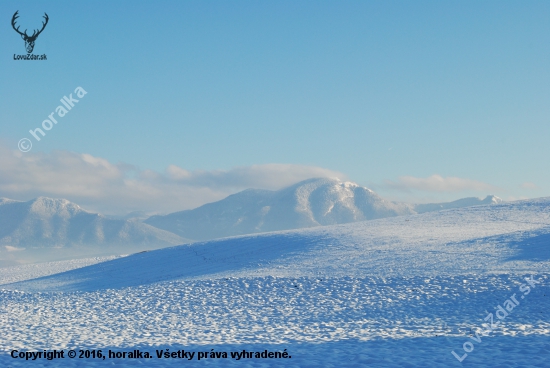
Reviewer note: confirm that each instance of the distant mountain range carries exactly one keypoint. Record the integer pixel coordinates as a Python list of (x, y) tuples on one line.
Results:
[(44, 226), (56, 228), (312, 202), (464, 202)]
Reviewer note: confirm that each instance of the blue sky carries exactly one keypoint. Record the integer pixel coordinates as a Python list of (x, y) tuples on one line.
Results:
[(421, 101)]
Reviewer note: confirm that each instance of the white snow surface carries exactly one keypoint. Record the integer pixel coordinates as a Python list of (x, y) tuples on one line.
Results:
[(395, 292), (34, 270)]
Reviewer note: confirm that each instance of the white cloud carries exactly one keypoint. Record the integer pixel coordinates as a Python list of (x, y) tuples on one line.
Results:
[(437, 183), (268, 176), (99, 185), (528, 185), (9, 248)]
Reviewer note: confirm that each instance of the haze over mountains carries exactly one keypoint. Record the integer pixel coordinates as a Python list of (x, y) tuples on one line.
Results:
[(58, 229)]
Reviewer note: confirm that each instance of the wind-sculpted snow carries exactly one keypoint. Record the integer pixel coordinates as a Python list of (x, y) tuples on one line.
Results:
[(285, 312)]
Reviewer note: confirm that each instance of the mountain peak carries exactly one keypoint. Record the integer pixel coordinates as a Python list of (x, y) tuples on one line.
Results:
[(492, 199), (52, 206), (312, 202), (48, 228), (7, 201)]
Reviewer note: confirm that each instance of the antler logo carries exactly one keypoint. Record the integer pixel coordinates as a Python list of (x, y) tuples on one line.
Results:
[(29, 40)]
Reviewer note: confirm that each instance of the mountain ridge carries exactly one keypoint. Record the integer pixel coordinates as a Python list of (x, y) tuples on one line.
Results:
[(309, 203), (45, 227)]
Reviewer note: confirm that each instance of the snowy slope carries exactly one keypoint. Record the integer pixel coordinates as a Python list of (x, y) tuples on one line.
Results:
[(35, 270), (395, 292), (508, 237), (306, 204), (34, 229)]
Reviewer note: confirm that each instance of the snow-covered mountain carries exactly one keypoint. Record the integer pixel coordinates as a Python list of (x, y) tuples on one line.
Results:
[(34, 229), (309, 203), (45, 224)]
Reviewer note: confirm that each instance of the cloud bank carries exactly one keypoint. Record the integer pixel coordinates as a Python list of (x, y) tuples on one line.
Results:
[(529, 186), (437, 183), (99, 185)]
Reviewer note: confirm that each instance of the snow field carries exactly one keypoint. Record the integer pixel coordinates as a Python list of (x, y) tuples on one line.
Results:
[(304, 315)]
